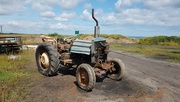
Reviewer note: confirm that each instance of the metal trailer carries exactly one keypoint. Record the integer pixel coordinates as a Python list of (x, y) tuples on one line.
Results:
[(10, 44), (90, 57)]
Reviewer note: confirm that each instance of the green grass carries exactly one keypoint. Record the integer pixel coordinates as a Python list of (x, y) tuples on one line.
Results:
[(161, 40), (15, 76), (171, 54)]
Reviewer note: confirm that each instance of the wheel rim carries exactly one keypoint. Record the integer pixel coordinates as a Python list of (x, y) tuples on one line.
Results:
[(116, 69), (44, 61), (83, 77)]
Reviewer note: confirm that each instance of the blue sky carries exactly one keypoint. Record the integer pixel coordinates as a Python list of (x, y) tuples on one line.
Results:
[(126, 17)]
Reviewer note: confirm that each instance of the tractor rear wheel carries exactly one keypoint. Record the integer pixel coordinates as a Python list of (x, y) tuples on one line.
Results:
[(47, 59), (85, 77), (118, 71)]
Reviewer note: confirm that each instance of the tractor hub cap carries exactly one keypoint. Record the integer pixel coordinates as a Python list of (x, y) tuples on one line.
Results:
[(83, 77), (44, 59)]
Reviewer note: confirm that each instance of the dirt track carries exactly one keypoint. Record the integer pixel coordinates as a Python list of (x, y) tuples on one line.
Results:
[(147, 80)]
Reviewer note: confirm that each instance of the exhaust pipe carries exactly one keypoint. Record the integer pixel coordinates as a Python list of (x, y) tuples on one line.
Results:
[(96, 28)]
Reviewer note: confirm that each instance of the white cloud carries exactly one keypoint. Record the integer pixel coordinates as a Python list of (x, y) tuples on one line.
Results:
[(40, 6), (118, 4), (149, 12), (12, 23), (68, 4), (148, 4), (58, 26), (86, 15), (87, 6), (33, 27), (11, 6), (102, 0), (20, 24), (51, 2), (136, 16), (65, 16), (158, 4), (121, 4), (59, 18), (164, 13), (47, 14)]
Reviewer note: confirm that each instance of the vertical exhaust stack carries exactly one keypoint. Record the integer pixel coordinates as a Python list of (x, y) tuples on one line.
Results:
[(96, 28)]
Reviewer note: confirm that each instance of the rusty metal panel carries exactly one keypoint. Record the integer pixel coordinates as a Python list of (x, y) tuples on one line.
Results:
[(81, 47)]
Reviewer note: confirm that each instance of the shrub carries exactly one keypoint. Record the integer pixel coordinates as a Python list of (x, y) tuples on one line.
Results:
[(161, 40), (56, 35)]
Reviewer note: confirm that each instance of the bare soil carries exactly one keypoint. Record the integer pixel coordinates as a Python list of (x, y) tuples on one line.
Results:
[(147, 80)]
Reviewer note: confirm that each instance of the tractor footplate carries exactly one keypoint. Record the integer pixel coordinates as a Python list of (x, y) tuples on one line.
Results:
[(101, 73)]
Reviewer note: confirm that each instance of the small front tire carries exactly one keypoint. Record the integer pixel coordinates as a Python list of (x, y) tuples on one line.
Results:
[(85, 77), (118, 69)]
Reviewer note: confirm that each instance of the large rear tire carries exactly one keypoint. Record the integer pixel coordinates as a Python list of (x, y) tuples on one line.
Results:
[(47, 59), (119, 69), (85, 77)]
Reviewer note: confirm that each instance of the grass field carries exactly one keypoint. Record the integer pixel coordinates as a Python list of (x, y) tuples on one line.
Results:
[(158, 52), (15, 75)]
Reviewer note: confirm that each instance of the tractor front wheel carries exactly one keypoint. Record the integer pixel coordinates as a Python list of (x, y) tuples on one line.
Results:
[(85, 77), (118, 69)]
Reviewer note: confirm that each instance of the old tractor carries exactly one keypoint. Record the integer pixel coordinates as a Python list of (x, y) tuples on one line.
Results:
[(10, 45), (89, 57)]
